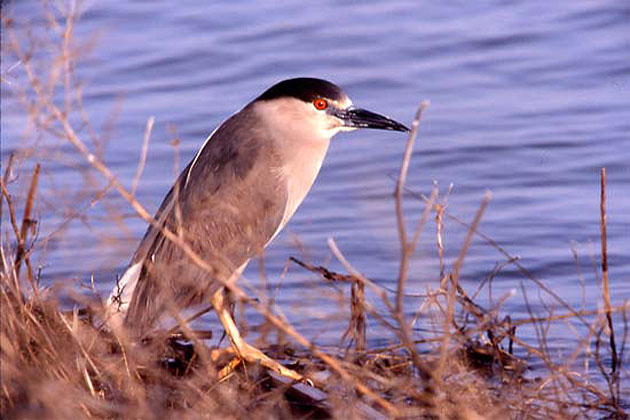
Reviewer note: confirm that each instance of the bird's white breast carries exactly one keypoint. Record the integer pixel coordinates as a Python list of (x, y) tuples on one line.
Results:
[(299, 174)]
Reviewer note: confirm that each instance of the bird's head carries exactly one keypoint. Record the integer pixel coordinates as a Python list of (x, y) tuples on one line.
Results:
[(317, 109)]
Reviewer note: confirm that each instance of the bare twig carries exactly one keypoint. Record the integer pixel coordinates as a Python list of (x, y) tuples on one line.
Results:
[(8, 169), (613, 347), (439, 221), (8, 269), (612, 309), (26, 224), (357, 309), (143, 154), (407, 249), (400, 218), (450, 311), (325, 273)]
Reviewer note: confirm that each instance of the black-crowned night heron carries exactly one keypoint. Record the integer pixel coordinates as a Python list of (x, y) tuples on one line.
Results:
[(232, 199)]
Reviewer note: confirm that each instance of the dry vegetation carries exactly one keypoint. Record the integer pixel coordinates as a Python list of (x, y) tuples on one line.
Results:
[(59, 364)]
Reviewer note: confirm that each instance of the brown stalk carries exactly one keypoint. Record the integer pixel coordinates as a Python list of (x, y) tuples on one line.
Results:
[(613, 348), (26, 223), (439, 221), (143, 154), (357, 309), (451, 296), (406, 247), (8, 270), (619, 308)]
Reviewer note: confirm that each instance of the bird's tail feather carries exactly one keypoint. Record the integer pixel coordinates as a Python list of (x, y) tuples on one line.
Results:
[(119, 299)]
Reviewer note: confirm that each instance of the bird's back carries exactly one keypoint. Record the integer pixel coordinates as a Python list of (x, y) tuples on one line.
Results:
[(226, 205)]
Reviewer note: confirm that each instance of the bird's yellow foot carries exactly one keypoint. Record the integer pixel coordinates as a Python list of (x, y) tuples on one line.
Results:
[(251, 354)]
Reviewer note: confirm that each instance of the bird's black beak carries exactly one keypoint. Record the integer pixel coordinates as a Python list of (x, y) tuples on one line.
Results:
[(361, 118)]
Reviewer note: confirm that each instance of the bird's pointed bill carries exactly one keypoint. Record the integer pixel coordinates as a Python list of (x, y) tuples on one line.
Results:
[(362, 118)]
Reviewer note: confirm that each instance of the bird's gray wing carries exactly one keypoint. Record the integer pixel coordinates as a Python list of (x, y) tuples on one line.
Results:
[(226, 205)]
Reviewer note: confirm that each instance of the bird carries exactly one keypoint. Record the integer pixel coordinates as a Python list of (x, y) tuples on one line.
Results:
[(237, 193)]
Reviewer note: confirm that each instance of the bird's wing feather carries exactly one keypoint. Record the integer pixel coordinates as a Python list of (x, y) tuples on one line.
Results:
[(228, 210)]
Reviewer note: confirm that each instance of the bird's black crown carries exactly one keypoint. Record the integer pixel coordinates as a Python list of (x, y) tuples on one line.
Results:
[(305, 89)]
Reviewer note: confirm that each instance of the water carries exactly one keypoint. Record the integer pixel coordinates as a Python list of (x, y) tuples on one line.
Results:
[(529, 99)]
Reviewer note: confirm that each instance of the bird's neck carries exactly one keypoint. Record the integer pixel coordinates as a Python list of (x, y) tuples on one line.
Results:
[(299, 145), (298, 172)]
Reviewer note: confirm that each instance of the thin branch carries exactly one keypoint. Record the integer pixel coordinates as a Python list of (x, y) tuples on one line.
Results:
[(613, 347), (450, 311), (143, 154), (26, 223), (400, 219)]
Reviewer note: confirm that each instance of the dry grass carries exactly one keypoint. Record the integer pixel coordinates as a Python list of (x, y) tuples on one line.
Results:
[(57, 364)]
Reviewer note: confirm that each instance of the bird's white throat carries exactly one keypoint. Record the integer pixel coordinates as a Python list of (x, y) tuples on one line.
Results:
[(302, 136)]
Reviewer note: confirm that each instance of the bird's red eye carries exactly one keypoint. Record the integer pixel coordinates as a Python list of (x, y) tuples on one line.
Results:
[(320, 104)]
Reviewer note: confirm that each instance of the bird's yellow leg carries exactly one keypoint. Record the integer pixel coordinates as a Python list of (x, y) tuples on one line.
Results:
[(243, 350)]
